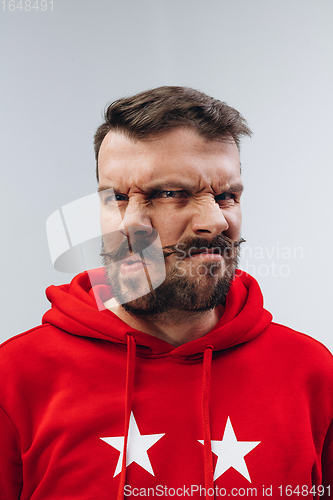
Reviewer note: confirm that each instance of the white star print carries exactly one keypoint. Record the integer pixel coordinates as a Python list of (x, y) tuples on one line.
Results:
[(137, 446), (231, 452)]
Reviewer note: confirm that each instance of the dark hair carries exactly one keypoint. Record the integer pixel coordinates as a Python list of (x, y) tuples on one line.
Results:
[(164, 108)]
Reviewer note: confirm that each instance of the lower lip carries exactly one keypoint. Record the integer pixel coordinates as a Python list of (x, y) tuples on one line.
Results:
[(206, 256), (132, 268)]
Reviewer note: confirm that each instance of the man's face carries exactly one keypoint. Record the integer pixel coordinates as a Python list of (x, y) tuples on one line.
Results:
[(187, 190)]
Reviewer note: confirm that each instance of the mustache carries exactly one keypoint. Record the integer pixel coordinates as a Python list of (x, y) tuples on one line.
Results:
[(221, 244), (129, 247)]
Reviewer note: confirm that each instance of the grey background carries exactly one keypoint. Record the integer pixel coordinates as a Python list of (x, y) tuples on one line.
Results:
[(271, 59)]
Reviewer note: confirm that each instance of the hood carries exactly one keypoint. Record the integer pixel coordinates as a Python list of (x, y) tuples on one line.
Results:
[(74, 310)]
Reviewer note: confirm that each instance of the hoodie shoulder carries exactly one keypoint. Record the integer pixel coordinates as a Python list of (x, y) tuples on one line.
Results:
[(301, 340), (21, 338), (301, 352), (27, 349)]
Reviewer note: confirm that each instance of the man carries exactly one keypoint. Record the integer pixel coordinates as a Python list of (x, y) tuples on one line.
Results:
[(182, 389)]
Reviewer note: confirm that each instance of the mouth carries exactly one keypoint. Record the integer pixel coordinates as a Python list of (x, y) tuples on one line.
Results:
[(132, 264), (207, 254), (132, 259)]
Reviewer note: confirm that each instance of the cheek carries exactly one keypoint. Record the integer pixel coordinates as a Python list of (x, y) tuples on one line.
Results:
[(234, 220), (170, 227), (110, 222), (110, 219), (112, 240)]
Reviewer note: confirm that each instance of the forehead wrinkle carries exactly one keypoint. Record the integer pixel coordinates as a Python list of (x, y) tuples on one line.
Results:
[(197, 184), (149, 174), (173, 184), (217, 186)]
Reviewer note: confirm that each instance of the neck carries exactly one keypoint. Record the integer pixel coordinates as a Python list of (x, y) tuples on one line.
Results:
[(175, 327)]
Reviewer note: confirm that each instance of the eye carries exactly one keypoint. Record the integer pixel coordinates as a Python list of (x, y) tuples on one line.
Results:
[(170, 194), (225, 198), (112, 198)]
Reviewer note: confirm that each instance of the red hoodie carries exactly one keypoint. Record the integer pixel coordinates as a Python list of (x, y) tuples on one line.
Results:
[(245, 410)]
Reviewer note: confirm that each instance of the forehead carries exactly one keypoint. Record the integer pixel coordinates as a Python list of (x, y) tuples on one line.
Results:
[(174, 158)]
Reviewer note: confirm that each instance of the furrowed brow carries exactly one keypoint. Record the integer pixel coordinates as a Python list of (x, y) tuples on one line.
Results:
[(170, 185), (235, 188), (104, 188)]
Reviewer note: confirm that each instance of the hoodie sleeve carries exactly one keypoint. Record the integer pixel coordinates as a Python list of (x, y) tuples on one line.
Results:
[(11, 480)]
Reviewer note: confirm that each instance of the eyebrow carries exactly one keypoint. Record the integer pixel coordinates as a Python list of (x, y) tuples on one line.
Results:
[(159, 187), (104, 188), (187, 186), (235, 188)]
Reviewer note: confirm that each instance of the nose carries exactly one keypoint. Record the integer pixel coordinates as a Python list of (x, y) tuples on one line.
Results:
[(135, 222), (209, 221)]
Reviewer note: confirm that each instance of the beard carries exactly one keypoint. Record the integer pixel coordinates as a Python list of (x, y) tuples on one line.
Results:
[(181, 290)]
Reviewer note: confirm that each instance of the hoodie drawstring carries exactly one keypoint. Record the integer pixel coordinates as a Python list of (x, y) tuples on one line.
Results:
[(130, 368), (208, 458)]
